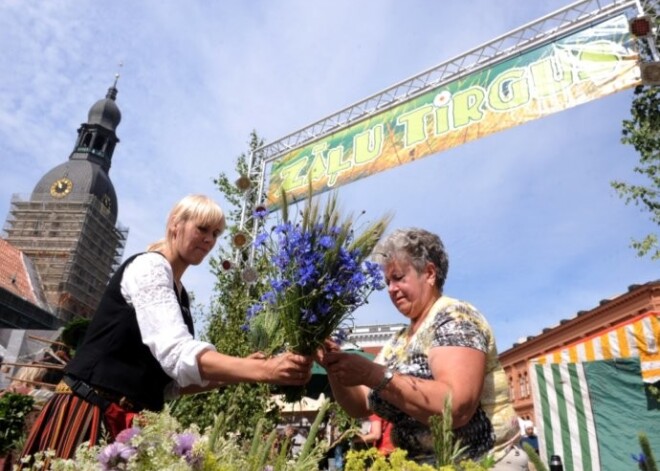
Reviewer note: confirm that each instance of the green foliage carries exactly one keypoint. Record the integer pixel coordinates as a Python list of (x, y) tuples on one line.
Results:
[(227, 316), (448, 452), (370, 459), (74, 332), (648, 463), (14, 409), (534, 457), (642, 131)]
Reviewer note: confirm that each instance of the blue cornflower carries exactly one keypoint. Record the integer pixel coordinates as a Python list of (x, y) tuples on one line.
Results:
[(282, 228), (268, 297), (306, 274), (322, 308), (254, 309), (260, 240), (280, 285), (282, 260), (326, 241), (358, 278), (333, 289), (309, 316), (640, 459), (340, 335)]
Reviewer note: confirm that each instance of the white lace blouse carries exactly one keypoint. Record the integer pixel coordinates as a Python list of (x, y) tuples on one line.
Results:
[(148, 285)]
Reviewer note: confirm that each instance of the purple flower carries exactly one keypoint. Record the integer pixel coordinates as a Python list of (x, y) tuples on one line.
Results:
[(127, 434), (260, 212), (183, 445), (115, 454)]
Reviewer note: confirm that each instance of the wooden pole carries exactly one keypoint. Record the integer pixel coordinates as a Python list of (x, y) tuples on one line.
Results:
[(50, 366), (53, 342), (36, 383)]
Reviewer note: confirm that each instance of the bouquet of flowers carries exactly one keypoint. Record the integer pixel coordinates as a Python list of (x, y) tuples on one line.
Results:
[(318, 275)]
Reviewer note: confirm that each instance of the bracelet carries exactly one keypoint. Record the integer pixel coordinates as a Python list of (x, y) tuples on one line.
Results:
[(387, 377)]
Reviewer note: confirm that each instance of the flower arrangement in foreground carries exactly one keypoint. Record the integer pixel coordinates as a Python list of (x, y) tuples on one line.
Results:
[(318, 275), (158, 442)]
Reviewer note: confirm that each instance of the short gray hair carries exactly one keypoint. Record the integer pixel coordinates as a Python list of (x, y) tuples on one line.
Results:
[(416, 246)]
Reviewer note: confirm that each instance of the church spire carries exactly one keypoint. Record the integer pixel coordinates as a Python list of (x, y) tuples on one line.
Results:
[(97, 137), (112, 91)]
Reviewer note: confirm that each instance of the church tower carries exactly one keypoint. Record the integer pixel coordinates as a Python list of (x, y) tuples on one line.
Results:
[(68, 227)]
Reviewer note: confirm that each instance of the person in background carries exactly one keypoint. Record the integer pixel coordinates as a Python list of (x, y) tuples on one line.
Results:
[(530, 437), (378, 435), (446, 351), (139, 349), (27, 378)]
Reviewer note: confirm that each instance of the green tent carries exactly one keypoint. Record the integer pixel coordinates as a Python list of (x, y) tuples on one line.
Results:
[(593, 398)]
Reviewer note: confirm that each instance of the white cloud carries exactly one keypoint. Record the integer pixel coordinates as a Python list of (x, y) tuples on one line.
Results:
[(533, 230)]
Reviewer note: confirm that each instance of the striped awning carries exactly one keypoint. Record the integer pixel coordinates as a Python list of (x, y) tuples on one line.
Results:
[(638, 337)]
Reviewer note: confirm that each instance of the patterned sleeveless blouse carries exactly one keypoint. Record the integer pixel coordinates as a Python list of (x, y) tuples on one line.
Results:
[(494, 426)]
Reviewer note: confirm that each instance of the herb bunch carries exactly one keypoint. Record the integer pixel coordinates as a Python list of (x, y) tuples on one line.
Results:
[(318, 275)]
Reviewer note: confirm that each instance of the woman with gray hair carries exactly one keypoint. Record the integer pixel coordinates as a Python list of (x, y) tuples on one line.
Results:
[(446, 350)]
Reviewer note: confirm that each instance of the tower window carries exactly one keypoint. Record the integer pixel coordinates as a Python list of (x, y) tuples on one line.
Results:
[(98, 143)]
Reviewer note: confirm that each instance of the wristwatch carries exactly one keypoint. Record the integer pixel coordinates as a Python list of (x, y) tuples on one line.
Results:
[(387, 377)]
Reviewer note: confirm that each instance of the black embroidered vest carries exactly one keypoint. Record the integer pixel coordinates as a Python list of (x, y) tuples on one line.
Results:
[(113, 358)]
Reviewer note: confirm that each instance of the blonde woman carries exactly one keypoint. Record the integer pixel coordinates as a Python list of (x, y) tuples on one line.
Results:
[(139, 349)]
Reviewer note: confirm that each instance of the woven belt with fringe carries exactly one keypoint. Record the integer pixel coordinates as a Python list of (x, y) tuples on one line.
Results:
[(95, 396)]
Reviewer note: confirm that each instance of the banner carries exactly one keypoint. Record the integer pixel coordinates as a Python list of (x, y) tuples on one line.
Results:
[(584, 66)]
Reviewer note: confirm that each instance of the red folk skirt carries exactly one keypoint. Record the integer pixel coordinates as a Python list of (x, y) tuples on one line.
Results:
[(66, 421)]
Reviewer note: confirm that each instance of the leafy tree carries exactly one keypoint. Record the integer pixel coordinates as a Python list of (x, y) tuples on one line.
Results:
[(249, 402), (642, 131)]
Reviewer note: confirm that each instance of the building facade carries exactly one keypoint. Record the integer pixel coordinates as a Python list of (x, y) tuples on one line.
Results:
[(637, 300), (68, 225), (371, 338)]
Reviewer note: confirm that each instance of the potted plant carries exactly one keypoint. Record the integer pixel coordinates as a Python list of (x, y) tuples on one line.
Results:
[(14, 409)]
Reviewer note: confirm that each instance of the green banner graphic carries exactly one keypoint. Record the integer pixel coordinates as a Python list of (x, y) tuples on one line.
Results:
[(584, 66)]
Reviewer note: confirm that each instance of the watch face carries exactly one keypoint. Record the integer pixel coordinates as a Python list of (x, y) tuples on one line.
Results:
[(61, 187)]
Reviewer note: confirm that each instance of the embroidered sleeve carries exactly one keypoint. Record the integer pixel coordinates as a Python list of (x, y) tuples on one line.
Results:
[(460, 325), (148, 285)]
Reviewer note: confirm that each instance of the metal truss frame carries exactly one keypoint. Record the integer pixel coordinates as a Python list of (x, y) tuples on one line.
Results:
[(563, 22), (569, 19)]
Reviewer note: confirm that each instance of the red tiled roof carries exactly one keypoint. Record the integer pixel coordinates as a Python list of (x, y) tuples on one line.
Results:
[(14, 276)]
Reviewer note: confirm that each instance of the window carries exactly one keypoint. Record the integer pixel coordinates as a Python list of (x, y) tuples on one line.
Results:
[(524, 385)]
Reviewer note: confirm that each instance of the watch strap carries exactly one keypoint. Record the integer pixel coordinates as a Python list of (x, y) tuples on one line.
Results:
[(387, 377)]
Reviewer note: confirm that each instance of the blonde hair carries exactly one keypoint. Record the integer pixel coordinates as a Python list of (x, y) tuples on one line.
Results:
[(198, 208)]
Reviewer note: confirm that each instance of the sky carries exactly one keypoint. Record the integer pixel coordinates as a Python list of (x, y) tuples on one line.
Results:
[(533, 229)]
